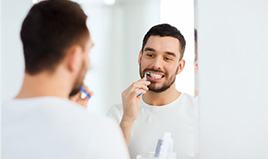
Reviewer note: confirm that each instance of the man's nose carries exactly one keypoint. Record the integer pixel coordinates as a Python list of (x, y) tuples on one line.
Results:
[(157, 63)]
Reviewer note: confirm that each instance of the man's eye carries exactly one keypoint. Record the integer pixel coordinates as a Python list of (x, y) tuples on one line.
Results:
[(149, 55), (167, 58)]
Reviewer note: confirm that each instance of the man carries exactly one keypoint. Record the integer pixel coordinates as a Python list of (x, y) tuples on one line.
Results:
[(42, 122), (145, 118)]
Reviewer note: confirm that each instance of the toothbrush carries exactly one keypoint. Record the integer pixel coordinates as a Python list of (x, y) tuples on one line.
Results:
[(85, 92), (146, 74)]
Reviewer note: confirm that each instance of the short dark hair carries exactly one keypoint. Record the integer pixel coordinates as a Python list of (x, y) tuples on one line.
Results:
[(165, 30), (50, 27)]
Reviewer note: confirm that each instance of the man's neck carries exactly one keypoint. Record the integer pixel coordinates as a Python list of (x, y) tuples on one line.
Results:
[(44, 84), (161, 98)]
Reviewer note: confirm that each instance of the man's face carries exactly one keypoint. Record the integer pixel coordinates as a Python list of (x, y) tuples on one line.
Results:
[(161, 57), (84, 68)]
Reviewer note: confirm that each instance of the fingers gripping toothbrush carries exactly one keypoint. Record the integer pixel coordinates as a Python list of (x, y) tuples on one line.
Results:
[(146, 75)]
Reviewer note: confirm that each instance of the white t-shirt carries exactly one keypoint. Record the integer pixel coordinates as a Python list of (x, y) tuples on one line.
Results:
[(54, 128), (180, 118)]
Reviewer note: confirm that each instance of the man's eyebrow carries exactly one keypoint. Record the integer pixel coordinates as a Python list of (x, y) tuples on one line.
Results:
[(166, 52), (149, 49)]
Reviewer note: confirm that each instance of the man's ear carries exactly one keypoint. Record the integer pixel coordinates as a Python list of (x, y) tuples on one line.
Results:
[(181, 66), (74, 58), (139, 59)]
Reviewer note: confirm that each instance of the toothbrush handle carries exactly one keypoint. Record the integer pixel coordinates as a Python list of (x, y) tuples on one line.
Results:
[(85, 92)]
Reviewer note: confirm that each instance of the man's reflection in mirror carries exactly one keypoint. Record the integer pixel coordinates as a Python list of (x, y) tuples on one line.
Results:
[(152, 106)]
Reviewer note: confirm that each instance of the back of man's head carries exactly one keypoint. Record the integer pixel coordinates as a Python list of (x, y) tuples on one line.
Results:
[(51, 27)]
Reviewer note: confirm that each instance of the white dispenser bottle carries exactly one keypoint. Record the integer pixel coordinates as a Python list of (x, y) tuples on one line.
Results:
[(164, 148)]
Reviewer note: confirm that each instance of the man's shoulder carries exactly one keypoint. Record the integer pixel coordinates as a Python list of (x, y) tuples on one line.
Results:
[(190, 104), (188, 96), (191, 100), (116, 107), (116, 112), (51, 108)]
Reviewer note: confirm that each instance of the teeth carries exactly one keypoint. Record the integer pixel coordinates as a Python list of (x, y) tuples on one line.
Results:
[(156, 76)]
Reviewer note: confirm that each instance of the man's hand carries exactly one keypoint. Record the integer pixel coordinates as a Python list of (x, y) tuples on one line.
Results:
[(131, 99), (78, 97)]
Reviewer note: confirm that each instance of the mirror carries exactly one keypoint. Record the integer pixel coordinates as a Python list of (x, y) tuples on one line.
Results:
[(117, 28)]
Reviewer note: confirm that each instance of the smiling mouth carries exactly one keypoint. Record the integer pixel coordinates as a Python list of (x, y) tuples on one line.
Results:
[(154, 76)]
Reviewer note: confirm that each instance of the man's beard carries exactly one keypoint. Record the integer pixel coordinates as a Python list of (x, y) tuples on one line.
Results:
[(167, 84), (78, 81)]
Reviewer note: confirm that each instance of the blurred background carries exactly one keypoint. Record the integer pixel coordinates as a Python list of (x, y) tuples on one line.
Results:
[(117, 28)]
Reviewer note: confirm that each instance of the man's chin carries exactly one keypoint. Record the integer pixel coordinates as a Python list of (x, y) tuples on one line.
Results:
[(158, 89)]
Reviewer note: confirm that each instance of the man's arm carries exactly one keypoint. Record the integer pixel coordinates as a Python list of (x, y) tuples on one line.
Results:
[(131, 99), (126, 127)]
